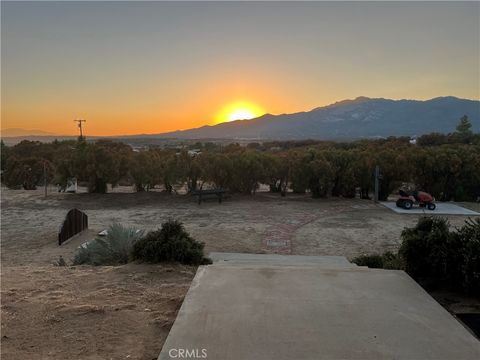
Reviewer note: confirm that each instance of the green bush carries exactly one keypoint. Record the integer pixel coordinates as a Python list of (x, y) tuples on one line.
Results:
[(437, 256), (171, 243), (425, 248), (114, 249), (469, 237), (372, 261), (387, 260), (392, 261)]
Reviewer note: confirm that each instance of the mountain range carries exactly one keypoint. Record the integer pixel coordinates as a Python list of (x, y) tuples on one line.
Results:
[(362, 117), (16, 132)]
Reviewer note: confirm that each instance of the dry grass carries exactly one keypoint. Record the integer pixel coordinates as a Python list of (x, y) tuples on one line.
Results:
[(125, 312)]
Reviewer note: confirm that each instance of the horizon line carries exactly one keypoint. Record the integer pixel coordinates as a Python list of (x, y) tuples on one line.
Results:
[(225, 122)]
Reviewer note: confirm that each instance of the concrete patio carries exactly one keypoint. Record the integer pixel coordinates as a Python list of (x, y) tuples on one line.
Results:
[(280, 307), (445, 208)]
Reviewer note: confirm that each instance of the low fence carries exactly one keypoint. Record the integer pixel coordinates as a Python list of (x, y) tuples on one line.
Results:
[(76, 221)]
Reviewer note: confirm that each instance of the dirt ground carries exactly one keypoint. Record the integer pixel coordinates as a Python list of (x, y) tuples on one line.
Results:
[(125, 312), (106, 312)]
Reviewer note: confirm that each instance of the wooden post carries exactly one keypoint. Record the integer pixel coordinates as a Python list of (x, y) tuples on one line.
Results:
[(377, 174), (45, 176)]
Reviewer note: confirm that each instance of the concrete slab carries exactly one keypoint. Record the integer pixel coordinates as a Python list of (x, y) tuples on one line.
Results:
[(274, 259), (295, 312), (442, 209)]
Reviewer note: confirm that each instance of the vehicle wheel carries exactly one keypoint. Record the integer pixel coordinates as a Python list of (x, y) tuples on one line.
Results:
[(431, 206), (407, 204), (400, 203)]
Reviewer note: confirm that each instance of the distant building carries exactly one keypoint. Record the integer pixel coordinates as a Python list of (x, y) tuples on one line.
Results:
[(194, 152)]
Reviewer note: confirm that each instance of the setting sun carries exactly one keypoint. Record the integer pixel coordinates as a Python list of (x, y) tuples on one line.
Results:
[(241, 110)]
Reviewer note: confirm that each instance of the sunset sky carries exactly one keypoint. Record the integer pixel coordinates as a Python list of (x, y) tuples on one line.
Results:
[(151, 67)]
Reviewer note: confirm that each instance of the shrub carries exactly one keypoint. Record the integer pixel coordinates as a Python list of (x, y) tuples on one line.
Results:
[(387, 260), (25, 172), (392, 261), (425, 248), (469, 237), (372, 261), (170, 243), (114, 249), (437, 256)]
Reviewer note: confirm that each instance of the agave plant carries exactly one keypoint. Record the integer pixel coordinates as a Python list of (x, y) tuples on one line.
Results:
[(113, 249)]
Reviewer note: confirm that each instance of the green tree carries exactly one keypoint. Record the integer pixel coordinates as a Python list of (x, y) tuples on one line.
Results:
[(281, 173), (432, 139), (248, 171), (464, 127), (216, 169), (341, 165), (394, 169), (321, 176), (101, 163), (5, 153), (363, 168), (26, 172), (168, 169), (189, 169), (145, 170), (299, 169)]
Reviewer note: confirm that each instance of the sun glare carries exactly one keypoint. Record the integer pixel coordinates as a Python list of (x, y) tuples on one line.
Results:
[(241, 110)]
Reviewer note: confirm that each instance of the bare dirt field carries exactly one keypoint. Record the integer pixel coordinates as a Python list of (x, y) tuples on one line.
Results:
[(105, 312), (125, 312)]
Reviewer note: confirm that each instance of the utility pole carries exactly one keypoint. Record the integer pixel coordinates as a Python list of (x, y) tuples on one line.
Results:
[(45, 176), (80, 121), (377, 171), (377, 178)]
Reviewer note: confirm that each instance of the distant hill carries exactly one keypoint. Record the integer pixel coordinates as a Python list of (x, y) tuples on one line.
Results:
[(349, 119), (345, 120), (17, 132)]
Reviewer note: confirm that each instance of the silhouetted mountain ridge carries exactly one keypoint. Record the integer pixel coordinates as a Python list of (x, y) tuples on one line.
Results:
[(12, 132), (362, 117)]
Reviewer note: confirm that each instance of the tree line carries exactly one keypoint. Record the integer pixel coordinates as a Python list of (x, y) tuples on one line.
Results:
[(447, 166)]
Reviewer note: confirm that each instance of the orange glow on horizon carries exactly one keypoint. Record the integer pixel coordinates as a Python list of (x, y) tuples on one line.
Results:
[(158, 67), (240, 110)]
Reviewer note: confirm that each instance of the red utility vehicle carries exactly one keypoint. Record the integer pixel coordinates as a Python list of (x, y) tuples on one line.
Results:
[(422, 199)]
